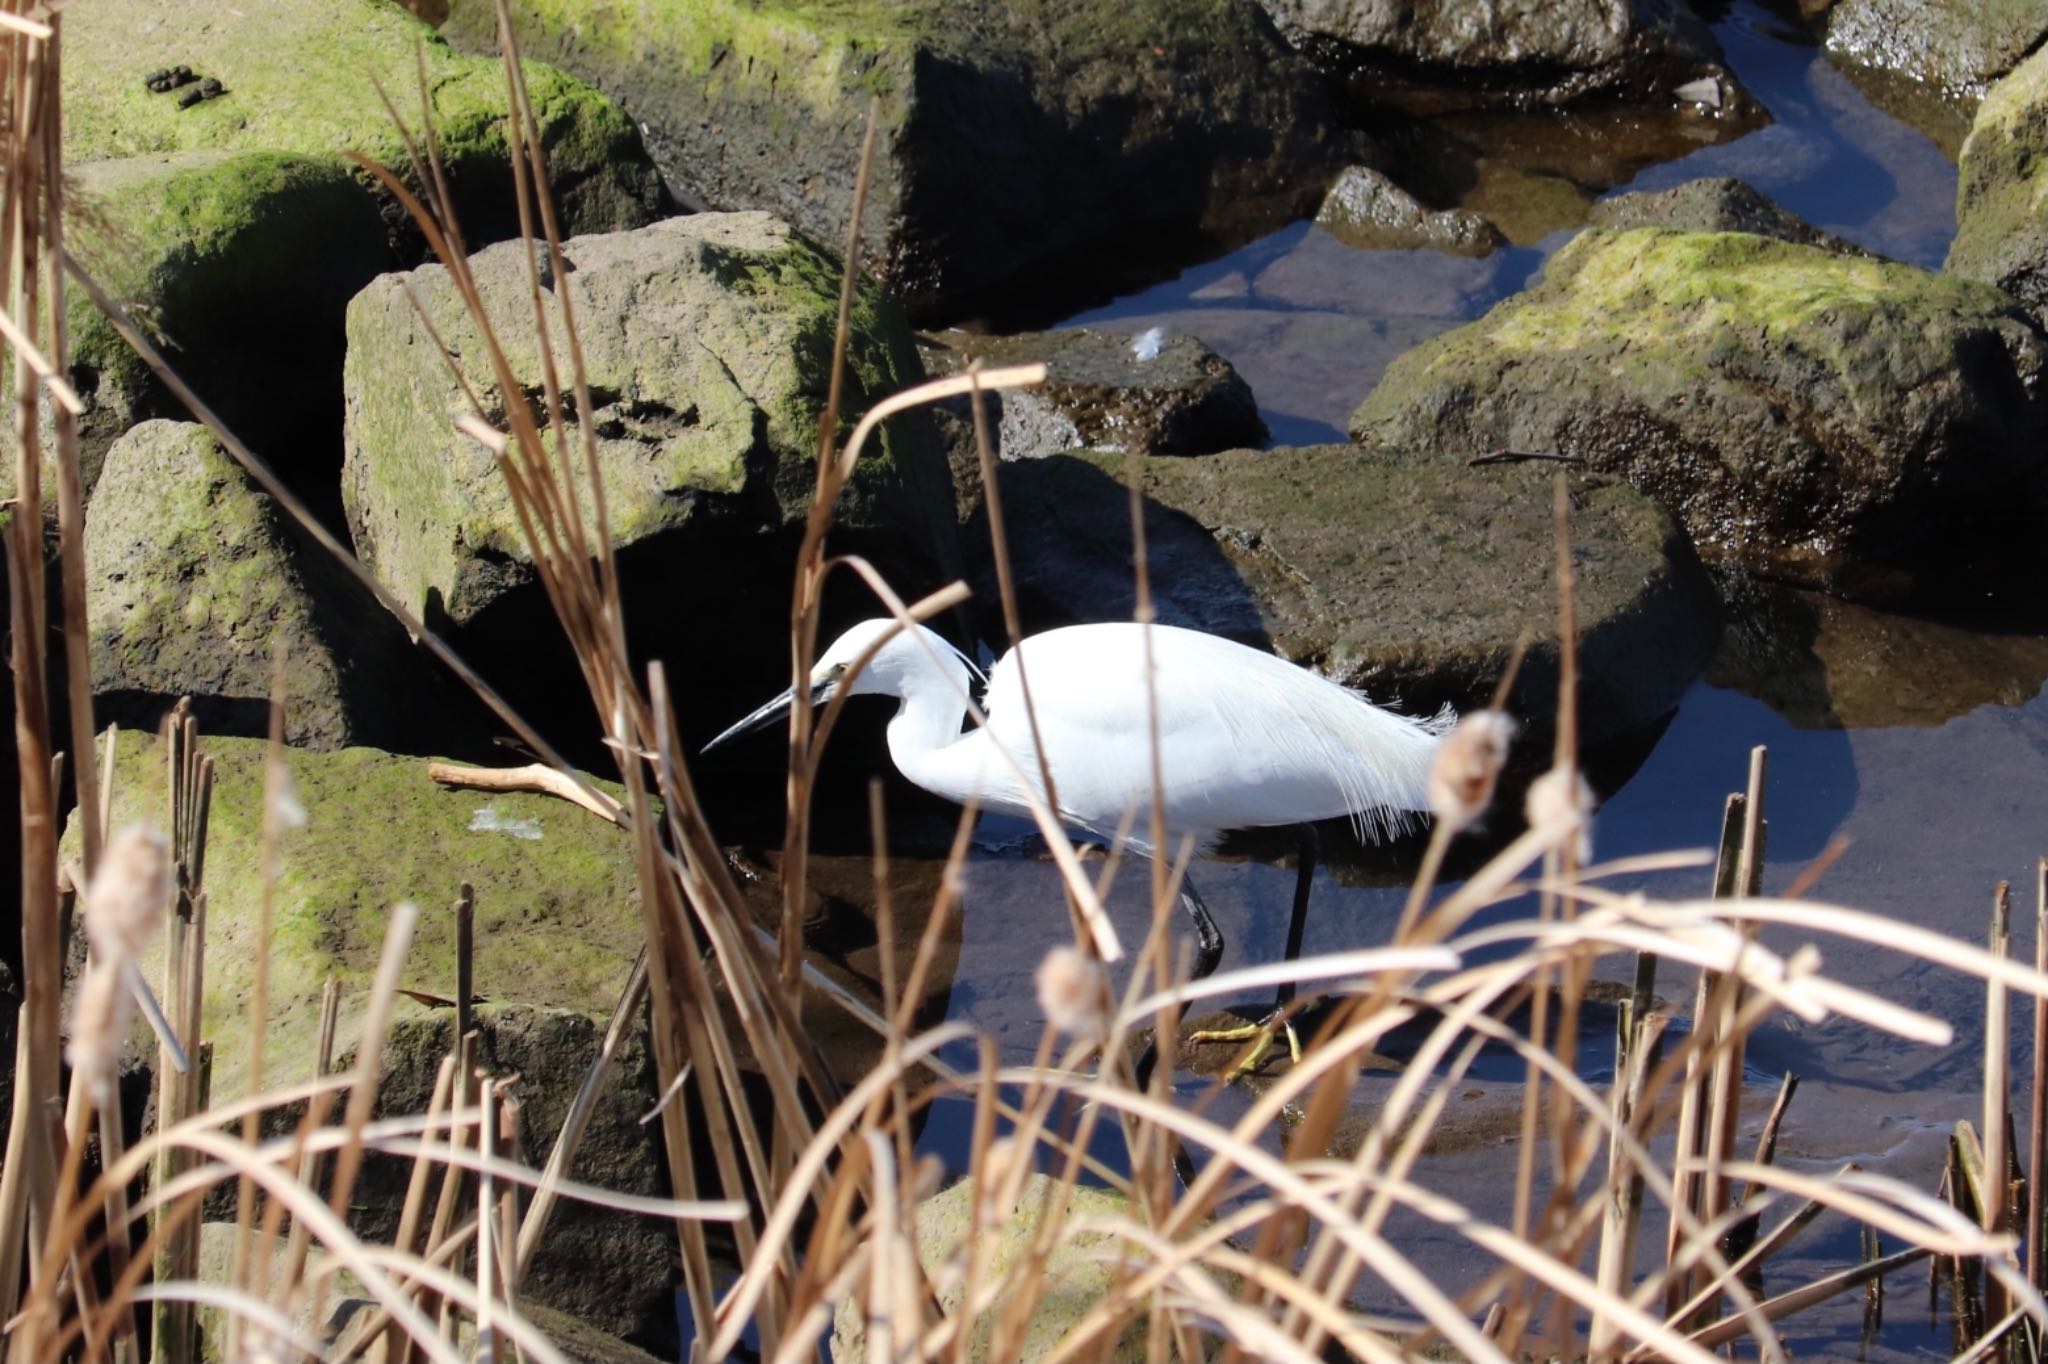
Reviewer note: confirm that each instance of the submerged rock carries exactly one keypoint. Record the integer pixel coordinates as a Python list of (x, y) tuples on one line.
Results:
[(1825, 663), (236, 228), (192, 582), (707, 343), (1544, 52), (1962, 45), (1013, 140), (2002, 182), (1367, 209), (1720, 204), (1410, 579), (1834, 420), (1151, 394)]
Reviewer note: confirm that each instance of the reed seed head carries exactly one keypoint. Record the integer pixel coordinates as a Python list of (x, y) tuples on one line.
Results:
[(1466, 767), (1073, 993), (125, 904), (100, 1015), (1560, 805)]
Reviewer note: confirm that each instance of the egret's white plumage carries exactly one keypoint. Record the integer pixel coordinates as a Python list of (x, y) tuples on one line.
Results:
[(1246, 740)]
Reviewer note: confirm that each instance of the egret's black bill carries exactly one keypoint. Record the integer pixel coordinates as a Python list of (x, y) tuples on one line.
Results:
[(768, 714)]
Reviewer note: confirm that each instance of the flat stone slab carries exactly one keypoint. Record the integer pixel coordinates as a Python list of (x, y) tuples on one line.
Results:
[(1409, 579)]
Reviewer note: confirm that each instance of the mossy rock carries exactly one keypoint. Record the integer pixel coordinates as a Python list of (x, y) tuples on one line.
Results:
[(237, 229), (1015, 139), (2002, 189), (1409, 579), (707, 344), (1715, 204), (1852, 423), (302, 77), (192, 583), (1078, 1274), (556, 919), (1958, 45)]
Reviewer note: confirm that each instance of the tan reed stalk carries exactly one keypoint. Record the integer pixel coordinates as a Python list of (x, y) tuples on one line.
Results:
[(2037, 1092), (1997, 1096), (276, 784)]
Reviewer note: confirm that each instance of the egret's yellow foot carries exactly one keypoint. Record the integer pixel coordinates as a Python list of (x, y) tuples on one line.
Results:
[(1260, 1035)]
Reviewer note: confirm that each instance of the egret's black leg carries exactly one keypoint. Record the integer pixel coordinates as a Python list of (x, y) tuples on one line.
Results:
[(1208, 938), (1297, 923)]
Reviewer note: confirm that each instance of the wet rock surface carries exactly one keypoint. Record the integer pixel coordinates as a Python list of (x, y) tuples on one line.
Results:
[(193, 582), (1410, 579), (1723, 204), (1849, 422), (1963, 45), (708, 344), (1012, 137), (1526, 52), (1367, 209), (2001, 237)]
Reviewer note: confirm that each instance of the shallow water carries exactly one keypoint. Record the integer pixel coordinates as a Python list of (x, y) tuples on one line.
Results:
[(1922, 743)]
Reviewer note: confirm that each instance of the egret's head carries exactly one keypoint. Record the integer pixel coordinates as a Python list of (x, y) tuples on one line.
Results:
[(901, 654)]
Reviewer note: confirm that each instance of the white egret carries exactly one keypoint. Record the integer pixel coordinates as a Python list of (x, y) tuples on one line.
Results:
[(1246, 740)]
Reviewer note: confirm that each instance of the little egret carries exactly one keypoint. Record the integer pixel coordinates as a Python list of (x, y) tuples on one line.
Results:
[(1246, 740)]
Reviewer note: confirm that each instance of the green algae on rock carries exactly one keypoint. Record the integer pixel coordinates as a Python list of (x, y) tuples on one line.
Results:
[(1012, 136), (557, 916), (1841, 421), (2002, 189), (192, 582), (707, 344), (1715, 204), (302, 77), (1410, 579)]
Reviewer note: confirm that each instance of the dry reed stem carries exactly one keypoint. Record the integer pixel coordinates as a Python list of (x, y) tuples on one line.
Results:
[(536, 777)]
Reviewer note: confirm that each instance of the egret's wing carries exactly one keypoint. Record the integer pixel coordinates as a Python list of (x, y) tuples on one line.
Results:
[(1246, 739)]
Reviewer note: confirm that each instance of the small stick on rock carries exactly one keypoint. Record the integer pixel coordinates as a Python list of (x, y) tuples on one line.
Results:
[(537, 777)]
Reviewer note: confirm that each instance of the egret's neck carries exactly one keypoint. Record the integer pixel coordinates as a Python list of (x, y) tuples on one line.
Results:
[(929, 719)]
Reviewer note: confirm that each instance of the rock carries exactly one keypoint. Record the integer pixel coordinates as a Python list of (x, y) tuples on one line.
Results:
[(1366, 209), (192, 583), (614, 1271), (707, 342), (2002, 181), (1961, 44), (1078, 1273), (1521, 53), (1015, 142), (300, 77), (1410, 579), (1847, 422), (1825, 663), (1721, 204), (238, 230), (350, 1308), (1099, 392)]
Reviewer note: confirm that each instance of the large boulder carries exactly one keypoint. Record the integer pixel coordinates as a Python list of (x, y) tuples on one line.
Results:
[(1849, 422), (1540, 52), (2002, 187), (1410, 579), (707, 346), (193, 582), (236, 228), (1962, 45), (1013, 140)]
